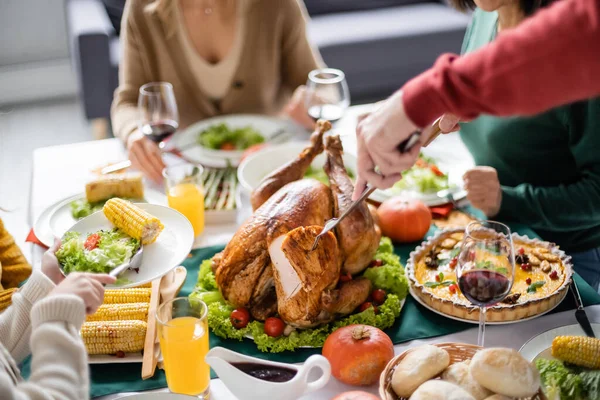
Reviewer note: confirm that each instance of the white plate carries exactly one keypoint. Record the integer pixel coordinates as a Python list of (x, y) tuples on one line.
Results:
[(258, 165), (540, 346), (248, 336), (61, 219), (156, 396), (266, 126), (469, 321), (172, 246)]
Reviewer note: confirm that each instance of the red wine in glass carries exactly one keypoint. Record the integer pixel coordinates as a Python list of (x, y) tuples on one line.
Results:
[(484, 288), (160, 130)]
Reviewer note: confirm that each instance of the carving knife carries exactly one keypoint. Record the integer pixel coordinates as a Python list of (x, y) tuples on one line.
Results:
[(580, 314)]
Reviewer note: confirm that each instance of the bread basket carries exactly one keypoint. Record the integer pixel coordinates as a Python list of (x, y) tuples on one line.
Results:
[(458, 352)]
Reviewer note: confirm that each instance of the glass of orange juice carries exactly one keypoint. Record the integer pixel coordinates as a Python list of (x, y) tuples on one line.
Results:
[(185, 192), (183, 334)]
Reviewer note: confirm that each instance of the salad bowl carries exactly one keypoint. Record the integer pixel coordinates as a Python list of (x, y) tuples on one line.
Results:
[(170, 249)]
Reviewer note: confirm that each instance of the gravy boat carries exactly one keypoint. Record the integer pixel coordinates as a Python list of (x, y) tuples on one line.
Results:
[(247, 387)]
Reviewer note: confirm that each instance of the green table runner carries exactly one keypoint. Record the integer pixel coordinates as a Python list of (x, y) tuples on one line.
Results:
[(415, 322)]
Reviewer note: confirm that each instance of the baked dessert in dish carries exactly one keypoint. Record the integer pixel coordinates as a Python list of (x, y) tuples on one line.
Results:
[(542, 276)]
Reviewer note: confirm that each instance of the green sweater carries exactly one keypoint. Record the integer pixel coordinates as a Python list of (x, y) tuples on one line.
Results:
[(548, 165)]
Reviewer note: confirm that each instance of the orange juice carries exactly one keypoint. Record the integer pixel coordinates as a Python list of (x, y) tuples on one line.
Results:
[(184, 344), (188, 199)]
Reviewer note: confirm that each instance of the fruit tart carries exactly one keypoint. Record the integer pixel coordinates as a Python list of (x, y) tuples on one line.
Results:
[(542, 276)]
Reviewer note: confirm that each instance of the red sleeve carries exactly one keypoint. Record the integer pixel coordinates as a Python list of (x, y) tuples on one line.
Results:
[(553, 58)]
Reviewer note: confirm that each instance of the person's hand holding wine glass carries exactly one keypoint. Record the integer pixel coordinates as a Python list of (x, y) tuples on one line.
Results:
[(158, 120), (486, 266)]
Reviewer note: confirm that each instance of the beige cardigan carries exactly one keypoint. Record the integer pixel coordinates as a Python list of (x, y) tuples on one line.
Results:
[(275, 60)]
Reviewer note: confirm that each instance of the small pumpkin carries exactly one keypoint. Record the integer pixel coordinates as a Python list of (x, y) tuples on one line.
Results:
[(358, 353), (404, 220), (356, 395)]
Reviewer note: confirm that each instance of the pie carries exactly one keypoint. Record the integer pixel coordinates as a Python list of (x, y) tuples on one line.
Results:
[(542, 276)]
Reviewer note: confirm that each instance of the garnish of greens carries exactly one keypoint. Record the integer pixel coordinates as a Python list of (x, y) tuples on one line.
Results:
[(423, 177), (438, 284), (535, 286), (320, 175), (389, 277), (453, 253), (222, 137), (113, 248), (220, 186), (487, 264), (565, 382), (81, 208)]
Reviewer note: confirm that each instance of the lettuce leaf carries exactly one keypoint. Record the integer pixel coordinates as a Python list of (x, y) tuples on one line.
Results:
[(114, 248), (558, 381), (590, 380), (390, 276), (206, 278)]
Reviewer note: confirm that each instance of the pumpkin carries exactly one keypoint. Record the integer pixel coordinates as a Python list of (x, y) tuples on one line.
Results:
[(358, 353), (356, 395), (404, 220)]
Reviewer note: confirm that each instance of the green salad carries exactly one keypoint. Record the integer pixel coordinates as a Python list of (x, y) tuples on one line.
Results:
[(98, 252), (568, 382), (222, 137), (423, 177), (81, 208), (320, 175), (389, 277)]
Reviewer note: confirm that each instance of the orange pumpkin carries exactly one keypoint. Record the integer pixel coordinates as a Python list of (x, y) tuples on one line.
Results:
[(404, 220), (356, 395), (358, 353)]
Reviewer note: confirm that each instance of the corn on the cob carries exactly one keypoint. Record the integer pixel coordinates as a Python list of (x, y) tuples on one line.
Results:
[(145, 285), (132, 220), (116, 185), (578, 350), (120, 312), (134, 295), (6, 298), (102, 337)]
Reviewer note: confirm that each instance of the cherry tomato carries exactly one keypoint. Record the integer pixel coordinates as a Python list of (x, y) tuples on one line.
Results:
[(376, 263), (453, 288), (528, 281), (378, 296), (274, 326), (227, 146), (436, 170), (252, 149), (553, 275), (92, 241), (437, 278), (366, 305), (346, 277), (453, 263), (239, 318), (526, 267), (521, 251)]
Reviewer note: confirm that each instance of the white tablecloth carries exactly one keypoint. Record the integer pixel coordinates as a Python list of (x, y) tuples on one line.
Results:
[(61, 171)]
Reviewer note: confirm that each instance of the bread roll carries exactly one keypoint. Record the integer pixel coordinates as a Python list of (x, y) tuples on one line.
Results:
[(420, 364), (498, 397), (459, 375), (505, 371), (440, 390)]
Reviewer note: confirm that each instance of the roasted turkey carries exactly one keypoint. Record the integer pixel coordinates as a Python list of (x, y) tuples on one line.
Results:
[(268, 265)]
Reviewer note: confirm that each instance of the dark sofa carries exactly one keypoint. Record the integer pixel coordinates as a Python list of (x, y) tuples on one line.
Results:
[(379, 44)]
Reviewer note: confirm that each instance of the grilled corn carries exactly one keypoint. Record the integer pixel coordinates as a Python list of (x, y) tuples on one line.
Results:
[(134, 295), (110, 337), (578, 350), (119, 312), (132, 220)]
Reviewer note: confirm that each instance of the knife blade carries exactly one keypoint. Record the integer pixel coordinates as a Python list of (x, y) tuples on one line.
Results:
[(580, 314)]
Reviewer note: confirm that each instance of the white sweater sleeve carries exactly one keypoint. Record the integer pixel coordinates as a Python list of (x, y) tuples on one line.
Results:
[(15, 323), (59, 369)]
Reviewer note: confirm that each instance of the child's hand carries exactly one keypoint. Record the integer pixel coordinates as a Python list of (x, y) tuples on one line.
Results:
[(88, 287), (50, 266)]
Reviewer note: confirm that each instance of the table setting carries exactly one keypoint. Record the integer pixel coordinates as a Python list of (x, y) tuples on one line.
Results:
[(233, 289)]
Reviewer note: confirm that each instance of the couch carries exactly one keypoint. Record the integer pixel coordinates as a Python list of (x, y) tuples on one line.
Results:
[(379, 44)]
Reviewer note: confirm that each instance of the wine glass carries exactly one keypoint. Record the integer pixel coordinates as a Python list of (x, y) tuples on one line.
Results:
[(158, 115), (327, 94), (486, 266)]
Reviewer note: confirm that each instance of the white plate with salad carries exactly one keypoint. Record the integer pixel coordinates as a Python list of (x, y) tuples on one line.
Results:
[(94, 244), (221, 141), (70, 210)]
